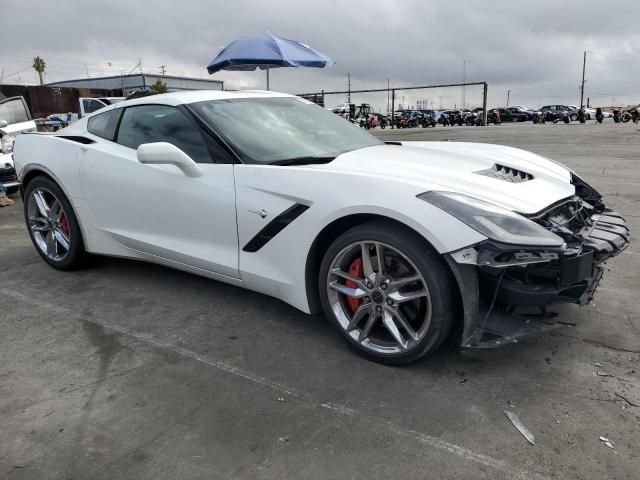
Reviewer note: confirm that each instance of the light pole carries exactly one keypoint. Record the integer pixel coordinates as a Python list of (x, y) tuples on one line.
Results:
[(464, 80), (348, 87), (508, 96)]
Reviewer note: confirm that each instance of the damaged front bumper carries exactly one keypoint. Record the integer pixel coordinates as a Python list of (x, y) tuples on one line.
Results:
[(507, 290)]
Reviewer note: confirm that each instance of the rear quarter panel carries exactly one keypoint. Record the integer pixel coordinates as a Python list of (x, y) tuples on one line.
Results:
[(58, 157)]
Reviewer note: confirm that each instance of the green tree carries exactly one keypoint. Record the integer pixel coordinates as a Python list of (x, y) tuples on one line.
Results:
[(159, 87), (40, 66)]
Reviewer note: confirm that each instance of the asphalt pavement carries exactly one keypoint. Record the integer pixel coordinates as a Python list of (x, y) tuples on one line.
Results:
[(129, 370)]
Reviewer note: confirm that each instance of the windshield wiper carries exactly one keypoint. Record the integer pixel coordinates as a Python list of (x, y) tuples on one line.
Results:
[(304, 160)]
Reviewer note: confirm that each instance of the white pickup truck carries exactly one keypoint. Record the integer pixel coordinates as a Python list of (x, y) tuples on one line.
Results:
[(89, 104), (15, 119)]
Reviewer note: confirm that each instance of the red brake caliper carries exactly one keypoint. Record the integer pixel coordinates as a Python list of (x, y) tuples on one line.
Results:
[(355, 270), (64, 224)]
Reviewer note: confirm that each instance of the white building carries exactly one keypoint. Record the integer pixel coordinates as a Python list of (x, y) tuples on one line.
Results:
[(138, 81)]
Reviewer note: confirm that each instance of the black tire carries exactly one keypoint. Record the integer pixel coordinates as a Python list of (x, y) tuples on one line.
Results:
[(436, 275), (76, 256)]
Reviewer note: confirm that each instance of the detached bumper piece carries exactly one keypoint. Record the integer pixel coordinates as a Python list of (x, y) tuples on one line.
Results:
[(516, 286)]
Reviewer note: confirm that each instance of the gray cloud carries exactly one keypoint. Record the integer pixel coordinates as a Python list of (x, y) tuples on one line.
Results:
[(532, 48)]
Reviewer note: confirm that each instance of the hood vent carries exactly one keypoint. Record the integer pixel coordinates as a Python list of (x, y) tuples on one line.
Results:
[(508, 174)]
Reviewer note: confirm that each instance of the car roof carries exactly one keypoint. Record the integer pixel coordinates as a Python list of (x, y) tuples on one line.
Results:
[(193, 96)]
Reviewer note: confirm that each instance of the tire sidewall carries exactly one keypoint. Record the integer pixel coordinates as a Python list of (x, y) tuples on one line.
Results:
[(432, 268), (77, 252)]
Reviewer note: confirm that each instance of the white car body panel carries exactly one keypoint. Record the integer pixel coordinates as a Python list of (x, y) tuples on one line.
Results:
[(158, 210), (156, 213)]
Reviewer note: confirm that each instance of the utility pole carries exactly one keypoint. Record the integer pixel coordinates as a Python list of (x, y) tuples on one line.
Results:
[(348, 87), (464, 80), (508, 96), (388, 85), (584, 63), (162, 67), (39, 65)]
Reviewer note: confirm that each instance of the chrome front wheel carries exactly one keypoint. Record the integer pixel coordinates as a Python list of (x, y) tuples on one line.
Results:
[(379, 297)]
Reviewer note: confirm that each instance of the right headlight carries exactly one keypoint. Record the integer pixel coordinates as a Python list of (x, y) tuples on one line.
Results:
[(492, 221)]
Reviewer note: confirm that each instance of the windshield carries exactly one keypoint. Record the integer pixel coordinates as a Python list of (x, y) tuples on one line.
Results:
[(276, 129)]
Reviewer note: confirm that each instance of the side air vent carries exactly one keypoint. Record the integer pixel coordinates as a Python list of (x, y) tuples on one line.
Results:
[(508, 174), (77, 138)]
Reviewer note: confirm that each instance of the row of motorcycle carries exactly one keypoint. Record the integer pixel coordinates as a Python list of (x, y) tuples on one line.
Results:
[(618, 116), (417, 119), (368, 119)]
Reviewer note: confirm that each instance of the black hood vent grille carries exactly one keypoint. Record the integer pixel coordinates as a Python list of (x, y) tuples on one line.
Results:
[(508, 174)]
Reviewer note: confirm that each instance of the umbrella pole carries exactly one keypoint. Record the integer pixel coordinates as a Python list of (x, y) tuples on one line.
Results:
[(267, 78)]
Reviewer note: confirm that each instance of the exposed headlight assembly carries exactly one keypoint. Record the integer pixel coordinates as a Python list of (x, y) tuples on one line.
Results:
[(6, 143), (492, 221)]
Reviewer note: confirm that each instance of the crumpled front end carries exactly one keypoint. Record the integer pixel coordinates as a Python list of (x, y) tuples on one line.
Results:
[(508, 290)]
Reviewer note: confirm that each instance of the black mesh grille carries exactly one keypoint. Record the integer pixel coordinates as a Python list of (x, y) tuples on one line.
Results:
[(508, 174)]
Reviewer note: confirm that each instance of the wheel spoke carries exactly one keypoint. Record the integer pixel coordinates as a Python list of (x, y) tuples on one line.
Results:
[(39, 224), (358, 315), (397, 314), (399, 297), (62, 239), (55, 211), (43, 208), (387, 321), (398, 283), (52, 245), (349, 292), (358, 281), (371, 321), (367, 267)]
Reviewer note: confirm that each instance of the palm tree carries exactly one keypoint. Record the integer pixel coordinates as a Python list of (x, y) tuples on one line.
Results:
[(39, 66)]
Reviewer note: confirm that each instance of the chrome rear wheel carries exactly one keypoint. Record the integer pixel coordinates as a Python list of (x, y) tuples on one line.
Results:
[(53, 225), (49, 224)]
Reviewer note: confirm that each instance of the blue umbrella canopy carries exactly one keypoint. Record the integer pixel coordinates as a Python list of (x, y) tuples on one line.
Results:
[(267, 51)]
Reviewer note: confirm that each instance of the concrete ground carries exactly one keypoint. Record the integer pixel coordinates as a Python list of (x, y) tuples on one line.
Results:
[(132, 371)]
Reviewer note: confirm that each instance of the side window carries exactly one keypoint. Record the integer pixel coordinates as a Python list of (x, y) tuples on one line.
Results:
[(90, 105), (104, 124), (162, 123)]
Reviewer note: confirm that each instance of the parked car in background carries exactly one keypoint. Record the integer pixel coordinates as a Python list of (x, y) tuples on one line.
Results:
[(15, 119), (559, 109), (528, 111), (511, 114), (589, 113)]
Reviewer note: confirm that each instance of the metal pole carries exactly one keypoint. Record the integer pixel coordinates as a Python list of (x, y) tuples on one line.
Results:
[(393, 108), (348, 87), (584, 63), (508, 96), (267, 78), (388, 96), (484, 103), (323, 105), (464, 80)]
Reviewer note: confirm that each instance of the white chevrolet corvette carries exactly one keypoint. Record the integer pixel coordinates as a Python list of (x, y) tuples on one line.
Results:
[(400, 243)]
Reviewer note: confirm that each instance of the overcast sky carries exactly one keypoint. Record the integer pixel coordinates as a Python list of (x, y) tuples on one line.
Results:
[(532, 48)]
